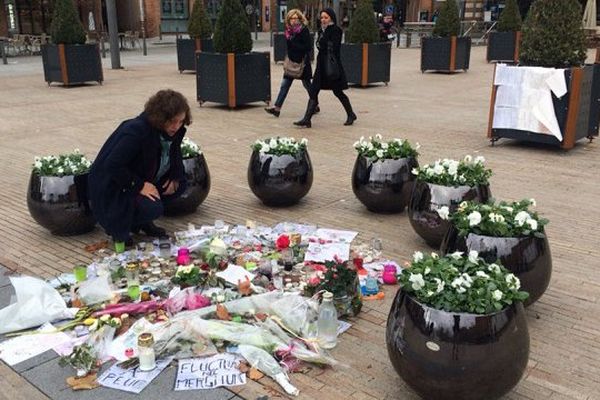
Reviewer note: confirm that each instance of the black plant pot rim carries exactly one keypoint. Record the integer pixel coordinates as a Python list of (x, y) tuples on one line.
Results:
[(419, 180), (505, 237), (461, 314), (300, 153), (192, 157)]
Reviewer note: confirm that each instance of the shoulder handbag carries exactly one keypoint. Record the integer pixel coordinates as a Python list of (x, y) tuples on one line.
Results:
[(332, 67), (293, 69)]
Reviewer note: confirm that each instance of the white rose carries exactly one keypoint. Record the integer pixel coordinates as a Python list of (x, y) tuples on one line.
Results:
[(443, 212), (417, 281), (468, 159), (474, 218), (417, 256), (473, 256), (497, 295)]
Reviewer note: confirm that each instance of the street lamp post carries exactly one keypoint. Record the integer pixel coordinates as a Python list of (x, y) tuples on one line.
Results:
[(143, 22)]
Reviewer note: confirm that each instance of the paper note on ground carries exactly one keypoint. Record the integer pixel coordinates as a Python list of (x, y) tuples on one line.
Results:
[(327, 252), (336, 235), (209, 372), (234, 274), (24, 347), (131, 380)]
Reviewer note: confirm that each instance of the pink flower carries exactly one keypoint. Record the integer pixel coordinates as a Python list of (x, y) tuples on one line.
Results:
[(314, 281)]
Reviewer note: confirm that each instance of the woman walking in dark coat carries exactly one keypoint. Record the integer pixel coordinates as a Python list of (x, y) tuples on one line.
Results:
[(139, 167), (329, 42), (299, 47)]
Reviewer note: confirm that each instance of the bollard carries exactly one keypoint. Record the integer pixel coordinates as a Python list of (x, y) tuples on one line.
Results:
[(3, 50)]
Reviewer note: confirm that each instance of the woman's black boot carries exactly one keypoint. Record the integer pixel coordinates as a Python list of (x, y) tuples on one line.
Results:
[(310, 110)]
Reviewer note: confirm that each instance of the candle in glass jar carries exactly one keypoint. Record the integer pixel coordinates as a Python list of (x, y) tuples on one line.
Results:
[(146, 352)]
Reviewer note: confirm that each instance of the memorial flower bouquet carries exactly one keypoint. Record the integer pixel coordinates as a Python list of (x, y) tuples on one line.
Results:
[(467, 172), (189, 149), (340, 278), (376, 149), (504, 219), (279, 146), (460, 283), (73, 163)]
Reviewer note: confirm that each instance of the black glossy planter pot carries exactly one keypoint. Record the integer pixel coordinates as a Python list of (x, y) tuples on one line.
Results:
[(450, 356), (527, 257), (383, 186), (280, 180), (60, 204), (427, 198), (197, 178)]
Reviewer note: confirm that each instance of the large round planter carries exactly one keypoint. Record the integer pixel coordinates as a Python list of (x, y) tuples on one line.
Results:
[(280, 181), (449, 356), (384, 186), (60, 204), (197, 179), (427, 198), (527, 257)]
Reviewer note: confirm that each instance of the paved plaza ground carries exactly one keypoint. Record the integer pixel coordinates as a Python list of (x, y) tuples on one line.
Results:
[(446, 114)]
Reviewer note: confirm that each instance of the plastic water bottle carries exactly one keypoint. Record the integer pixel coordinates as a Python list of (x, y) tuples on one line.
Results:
[(327, 325)]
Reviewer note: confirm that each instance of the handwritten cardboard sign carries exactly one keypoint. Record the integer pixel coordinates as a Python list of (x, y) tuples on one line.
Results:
[(131, 380), (209, 372)]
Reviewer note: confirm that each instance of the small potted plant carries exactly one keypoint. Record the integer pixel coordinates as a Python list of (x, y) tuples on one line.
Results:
[(233, 75), (564, 109), (445, 51), (454, 324), (508, 232), (365, 59), (341, 279), (200, 31), (68, 59), (382, 178), (280, 172), (503, 45), (197, 181), (439, 189), (57, 196)]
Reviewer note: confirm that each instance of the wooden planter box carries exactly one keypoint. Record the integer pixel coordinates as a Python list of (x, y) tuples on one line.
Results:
[(186, 52), (367, 62), (233, 79), (280, 47), (72, 64), (503, 46), (445, 54), (577, 111)]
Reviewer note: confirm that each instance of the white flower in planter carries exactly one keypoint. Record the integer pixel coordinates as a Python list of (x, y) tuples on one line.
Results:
[(379, 153), (482, 274), (468, 158), (417, 281), (533, 224), (513, 281), (443, 212), (417, 256), (494, 268), (497, 295), (457, 255), (479, 160), (532, 202), (522, 217), (440, 285), (474, 218), (376, 149), (438, 169), (496, 217), (473, 256)]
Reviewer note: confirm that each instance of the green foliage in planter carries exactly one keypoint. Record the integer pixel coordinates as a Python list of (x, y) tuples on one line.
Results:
[(232, 31), (510, 19), (199, 25), (552, 35), (66, 27), (363, 28), (448, 22)]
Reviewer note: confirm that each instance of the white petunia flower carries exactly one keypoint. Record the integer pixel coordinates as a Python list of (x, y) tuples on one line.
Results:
[(417, 256), (461, 289), (379, 153), (440, 285), (473, 256), (513, 281), (443, 212), (522, 217), (434, 255), (378, 137), (457, 255), (415, 171), (417, 281), (479, 160), (496, 217), (427, 271), (474, 218), (532, 202), (482, 274), (384, 146), (494, 268), (438, 169), (497, 295), (304, 141), (533, 224), (468, 158)]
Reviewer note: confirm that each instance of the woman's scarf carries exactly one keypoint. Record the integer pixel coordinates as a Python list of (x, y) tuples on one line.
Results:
[(292, 30)]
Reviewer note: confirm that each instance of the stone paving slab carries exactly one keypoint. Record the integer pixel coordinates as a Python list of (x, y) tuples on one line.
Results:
[(50, 378)]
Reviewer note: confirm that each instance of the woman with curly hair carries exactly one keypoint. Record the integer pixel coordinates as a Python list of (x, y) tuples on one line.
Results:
[(140, 167)]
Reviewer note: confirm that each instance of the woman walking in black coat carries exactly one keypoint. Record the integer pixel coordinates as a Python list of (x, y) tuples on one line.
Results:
[(299, 47), (139, 167), (329, 73)]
